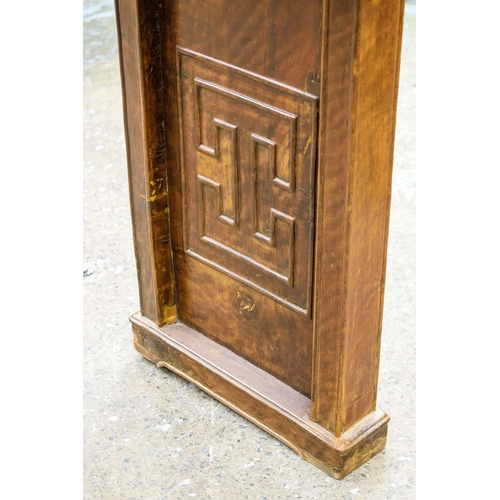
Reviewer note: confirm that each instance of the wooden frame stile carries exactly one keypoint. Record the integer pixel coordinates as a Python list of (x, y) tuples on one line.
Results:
[(361, 50), (139, 48), (339, 427)]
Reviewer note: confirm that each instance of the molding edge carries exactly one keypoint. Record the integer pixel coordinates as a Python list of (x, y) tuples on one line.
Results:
[(259, 397)]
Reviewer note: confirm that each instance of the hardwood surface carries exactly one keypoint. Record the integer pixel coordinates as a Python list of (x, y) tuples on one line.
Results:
[(260, 139), (256, 272), (145, 137), (362, 43), (259, 397)]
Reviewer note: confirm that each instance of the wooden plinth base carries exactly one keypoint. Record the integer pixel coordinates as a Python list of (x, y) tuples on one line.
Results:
[(259, 397)]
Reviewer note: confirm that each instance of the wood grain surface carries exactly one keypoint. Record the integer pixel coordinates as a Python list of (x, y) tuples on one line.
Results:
[(259, 397), (362, 43), (260, 141), (261, 82)]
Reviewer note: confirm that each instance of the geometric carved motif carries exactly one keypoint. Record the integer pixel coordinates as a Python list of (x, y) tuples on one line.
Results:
[(248, 167)]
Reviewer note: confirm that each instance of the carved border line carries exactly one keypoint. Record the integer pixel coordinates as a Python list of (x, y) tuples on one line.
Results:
[(202, 183), (274, 213), (283, 87), (271, 145), (245, 258), (289, 185), (304, 96), (200, 84), (248, 282), (215, 153)]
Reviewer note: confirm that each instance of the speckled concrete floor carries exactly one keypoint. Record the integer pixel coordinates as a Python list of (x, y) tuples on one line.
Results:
[(148, 434)]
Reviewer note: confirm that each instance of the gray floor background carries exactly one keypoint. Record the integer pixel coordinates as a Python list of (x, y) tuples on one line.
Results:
[(148, 434)]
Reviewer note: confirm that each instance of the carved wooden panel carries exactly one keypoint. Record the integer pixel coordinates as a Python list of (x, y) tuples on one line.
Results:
[(225, 246), (248, 150)]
